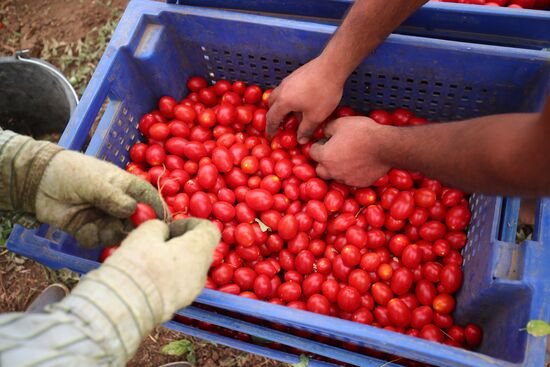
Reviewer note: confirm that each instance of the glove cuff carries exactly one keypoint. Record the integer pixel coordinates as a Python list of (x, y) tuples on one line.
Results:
[(118, 303), (22, 164)]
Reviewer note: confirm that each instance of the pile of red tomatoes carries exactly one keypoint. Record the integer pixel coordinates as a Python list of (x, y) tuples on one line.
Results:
[(520, 4), (386, 255)]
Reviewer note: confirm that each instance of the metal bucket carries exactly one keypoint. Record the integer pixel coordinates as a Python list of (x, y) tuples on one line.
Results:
[(35, 98)]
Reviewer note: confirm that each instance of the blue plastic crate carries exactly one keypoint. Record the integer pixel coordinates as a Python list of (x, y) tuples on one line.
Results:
[(157, 46), (460, 22)]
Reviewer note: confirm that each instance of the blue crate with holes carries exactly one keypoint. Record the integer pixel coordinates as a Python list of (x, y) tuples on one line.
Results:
[(157, 47), (470, 23)]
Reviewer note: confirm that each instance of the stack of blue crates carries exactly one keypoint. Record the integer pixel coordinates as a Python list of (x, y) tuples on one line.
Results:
[(157, 47)]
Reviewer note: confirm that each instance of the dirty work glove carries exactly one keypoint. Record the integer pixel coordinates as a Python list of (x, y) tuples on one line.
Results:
[(157, 270), (82, 195)]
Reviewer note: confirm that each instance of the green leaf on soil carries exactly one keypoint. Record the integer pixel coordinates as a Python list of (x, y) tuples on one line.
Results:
[(178, 348), (538, 328), (304, 362)]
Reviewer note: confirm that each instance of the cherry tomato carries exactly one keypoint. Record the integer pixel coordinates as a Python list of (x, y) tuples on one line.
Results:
[(304, 262), (312, 284), (375, 217), (432, 230), (473, 335), (196, 83), (424, 197), (244, 278), (319, 304), (223, 274), (259, 199), (381, 293), (351, 255), (142, 214), (333, 200), (425, 292), (398, 243), (443, 303), (288, 227), (411, 256), (431, 271), (401, 281), (421, 316), (316, 188), (108, 251), (244, 235), (359, 280), (400, 179), (398, 313), (289, 291), (432, 333), (348, 299), (402, 206), (458, 218), (252, 94)]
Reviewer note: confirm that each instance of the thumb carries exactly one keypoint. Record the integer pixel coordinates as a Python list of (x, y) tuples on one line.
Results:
[(196, 233), (317, 151), (306, 129)]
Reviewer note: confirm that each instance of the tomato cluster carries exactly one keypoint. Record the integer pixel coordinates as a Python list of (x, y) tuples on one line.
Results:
[(521, 4), (386, 255)]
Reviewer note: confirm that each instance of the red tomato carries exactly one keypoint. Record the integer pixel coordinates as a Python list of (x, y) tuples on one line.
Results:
[(356, 236), (316, 188), (421, 316), (137, 152), (384, 271), (289, 291), (381, 316), (362, 315), (252, 94), (330, 289), (259, 199), (402, 206), (312, 284), (155, 155), (207, 176), (401, 117), (458, 218), (375, 238), (424, 197), (142, 214), (288, 227), (401, 281), (400, 179), (432, 230), (334, 200), (382, 117), (431, 271), (443, 303), (223, 211), (208, 97), (432, 333), (348, 299), (245, 235), (304, 262), (196, 83), (456, 333), (398, 313), (398, 243), (319, 304), (457, 240), (359, 280), (200, 205), (244, 278), (473, 335), (370, 261), (365, 196), (425, 292), (166, 106), (339, 269), (411, 256), (351, 255), (443, 321), (381, 293), (304, 171), (223, 274), (374, 215)]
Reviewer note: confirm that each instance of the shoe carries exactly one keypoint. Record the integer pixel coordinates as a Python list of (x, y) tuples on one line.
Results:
[(52, 294)]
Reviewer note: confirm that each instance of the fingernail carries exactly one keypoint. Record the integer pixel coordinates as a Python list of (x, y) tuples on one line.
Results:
[(303, 140)]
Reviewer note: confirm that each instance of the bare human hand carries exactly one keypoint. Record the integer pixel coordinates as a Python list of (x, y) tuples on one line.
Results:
[(352, 155), (311, 92)]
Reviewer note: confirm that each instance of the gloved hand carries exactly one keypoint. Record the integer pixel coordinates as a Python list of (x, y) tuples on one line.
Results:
[(80, 194), (157, 270)]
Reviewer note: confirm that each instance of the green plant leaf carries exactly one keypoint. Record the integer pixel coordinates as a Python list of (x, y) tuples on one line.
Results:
[(263, 227), (538, 328), (178, 348), (304, 362)]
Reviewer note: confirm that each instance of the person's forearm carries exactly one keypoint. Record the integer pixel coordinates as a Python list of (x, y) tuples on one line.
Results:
[(501, 154), (366, 25)]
